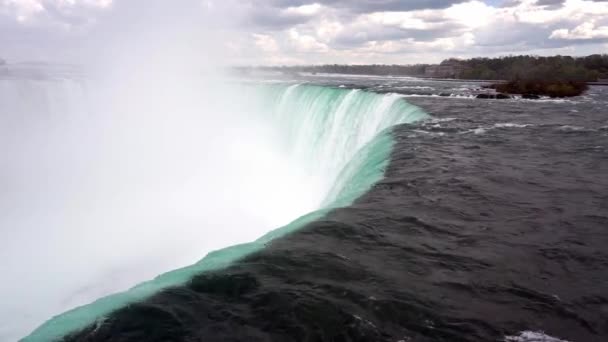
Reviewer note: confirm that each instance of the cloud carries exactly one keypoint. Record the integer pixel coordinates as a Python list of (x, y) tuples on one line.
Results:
[(360, 33), (270, 18), (367, 6), (550, 3), (330, 31), (60, 10), (305, 43), (266, 43), (584, 31)]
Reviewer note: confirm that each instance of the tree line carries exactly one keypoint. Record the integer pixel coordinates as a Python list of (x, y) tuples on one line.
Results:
[(553, 68), (372, 69), (527, 67)]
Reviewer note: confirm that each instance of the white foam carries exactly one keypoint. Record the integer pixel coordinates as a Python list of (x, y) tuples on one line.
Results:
[(573, 128), (429, 133), (510, 125), (452, 96), (434, 120), (478, 130), (533, 336), (415, 87)]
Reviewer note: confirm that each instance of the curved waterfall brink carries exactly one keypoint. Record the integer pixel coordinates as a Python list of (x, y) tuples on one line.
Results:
[(340, 138), (323, 128)]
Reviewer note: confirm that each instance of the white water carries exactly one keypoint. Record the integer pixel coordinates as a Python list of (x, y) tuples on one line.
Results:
[(98, 199), (105, 185), (532, 336)]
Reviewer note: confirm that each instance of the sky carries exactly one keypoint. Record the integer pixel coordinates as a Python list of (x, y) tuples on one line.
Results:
[(286, 32)]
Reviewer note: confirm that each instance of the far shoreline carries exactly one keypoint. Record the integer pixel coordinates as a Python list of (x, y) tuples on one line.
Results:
[(597, 83), (430, 78)]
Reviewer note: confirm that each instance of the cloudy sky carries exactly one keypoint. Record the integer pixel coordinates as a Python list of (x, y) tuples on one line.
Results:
[(312, 31)]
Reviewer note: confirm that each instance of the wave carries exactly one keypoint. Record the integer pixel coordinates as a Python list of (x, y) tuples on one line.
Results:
[(532, 336), (341, 138)]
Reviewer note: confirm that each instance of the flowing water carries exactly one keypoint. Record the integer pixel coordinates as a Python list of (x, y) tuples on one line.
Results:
[(424, 214), (120, 180)]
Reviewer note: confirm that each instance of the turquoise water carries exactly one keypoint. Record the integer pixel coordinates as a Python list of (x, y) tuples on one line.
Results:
[(342, 135)]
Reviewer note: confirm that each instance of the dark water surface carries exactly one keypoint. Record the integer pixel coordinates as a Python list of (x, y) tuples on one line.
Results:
[(492, 220)]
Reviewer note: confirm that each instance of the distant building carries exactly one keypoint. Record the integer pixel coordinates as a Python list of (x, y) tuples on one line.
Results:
[(447, 69)]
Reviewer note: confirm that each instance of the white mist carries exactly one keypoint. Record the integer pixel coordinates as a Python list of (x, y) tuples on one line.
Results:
[(144, 164)]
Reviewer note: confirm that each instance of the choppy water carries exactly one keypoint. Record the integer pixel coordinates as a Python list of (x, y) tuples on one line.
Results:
[(490, 224)]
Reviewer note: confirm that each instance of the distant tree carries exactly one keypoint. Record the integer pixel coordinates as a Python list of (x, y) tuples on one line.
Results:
[(525, 67)]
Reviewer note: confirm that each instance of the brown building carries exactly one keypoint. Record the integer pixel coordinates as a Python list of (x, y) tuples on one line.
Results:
[(447, 69)]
